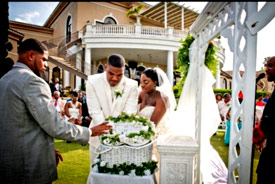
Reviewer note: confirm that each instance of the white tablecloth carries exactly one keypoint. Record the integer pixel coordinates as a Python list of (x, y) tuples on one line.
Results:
[(99, 178)]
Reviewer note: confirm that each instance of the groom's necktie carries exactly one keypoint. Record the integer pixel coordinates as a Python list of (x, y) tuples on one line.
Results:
[(55, 103)]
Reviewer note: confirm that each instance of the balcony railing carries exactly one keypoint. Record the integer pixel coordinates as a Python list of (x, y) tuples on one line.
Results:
[(60, 46), (132, 30)]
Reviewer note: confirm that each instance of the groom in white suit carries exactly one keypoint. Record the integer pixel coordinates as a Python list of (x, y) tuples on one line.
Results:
[(109, 94)]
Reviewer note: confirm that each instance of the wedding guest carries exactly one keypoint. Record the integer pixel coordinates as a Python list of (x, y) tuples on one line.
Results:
[(80, 97), (264, 172), (224, 105), (259, 109), (228, 126), (58, 103), (266, 98), (29, 122), (56, 86), (73, 110), (260, 102), (86, 118), (218, 97)]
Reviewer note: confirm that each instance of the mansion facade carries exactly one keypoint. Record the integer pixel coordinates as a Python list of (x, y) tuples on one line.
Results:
[(81, 35)]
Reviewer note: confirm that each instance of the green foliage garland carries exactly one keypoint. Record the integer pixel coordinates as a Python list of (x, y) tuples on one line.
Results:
[(125, 169), (124, 117), (183, 62)]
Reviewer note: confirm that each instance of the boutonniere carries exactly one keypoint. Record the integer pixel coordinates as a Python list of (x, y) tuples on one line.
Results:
[(118, 92)]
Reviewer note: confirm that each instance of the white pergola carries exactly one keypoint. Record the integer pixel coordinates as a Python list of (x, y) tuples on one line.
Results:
[(238, 22), (171, 14)]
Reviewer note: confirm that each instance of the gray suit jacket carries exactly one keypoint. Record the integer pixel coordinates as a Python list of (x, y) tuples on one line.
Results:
[(28, 124)]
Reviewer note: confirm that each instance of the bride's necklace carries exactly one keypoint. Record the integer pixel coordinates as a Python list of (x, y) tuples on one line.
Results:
[(149, 96)]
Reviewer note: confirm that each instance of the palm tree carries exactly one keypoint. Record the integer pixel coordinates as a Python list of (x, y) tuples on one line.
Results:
[(135, 11)]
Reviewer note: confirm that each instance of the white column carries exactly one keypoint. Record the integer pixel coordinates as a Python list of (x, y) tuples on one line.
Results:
[(51, 74), (66, 78), (218, 76), (170, 66), (182, 18), (88, 58), (78, 66), (165, 14)]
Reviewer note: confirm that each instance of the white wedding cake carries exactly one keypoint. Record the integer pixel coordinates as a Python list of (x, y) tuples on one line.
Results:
[(127, 149)]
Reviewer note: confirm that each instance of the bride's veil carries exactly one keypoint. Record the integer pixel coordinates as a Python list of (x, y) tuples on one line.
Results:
[(182, 121), (166, 92)]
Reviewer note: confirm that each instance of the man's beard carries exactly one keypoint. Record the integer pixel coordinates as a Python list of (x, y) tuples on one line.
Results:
[(37, 73)]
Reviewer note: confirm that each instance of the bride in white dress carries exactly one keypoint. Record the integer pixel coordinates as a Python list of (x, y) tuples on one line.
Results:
[(156, 100), (213, 169)]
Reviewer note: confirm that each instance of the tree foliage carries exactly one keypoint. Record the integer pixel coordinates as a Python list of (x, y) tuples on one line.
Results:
[(135, 11), (183, 62)]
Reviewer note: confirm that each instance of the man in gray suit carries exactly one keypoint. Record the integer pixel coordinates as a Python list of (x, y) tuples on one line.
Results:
[(29, 122)]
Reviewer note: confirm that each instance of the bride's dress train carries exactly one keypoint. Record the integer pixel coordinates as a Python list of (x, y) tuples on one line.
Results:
[(182, 121)]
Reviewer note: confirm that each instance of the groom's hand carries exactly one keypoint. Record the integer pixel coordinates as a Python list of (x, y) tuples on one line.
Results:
[(101, 129)]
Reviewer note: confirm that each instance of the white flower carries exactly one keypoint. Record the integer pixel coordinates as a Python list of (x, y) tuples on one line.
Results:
[(96, 160), (145, 128), (132, 173), (95, 168), (121, 173), (118, 93), (111, 123), (122, 137), (147, 172), (102, 163), (106, 141)]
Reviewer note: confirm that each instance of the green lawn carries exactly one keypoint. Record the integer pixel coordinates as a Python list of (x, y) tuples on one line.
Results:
[(76, 162), (217, 142), (75, 167)]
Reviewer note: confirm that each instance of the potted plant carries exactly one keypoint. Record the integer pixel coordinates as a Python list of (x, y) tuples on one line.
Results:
[(135, 11)]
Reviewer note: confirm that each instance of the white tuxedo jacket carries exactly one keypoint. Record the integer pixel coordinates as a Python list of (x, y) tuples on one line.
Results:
[(99, 98)]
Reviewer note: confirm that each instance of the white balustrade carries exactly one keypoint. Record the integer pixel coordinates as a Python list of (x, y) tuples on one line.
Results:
[(132, 30)]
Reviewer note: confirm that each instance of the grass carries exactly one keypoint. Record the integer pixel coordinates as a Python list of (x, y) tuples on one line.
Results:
[(222, 149), (76, 160)]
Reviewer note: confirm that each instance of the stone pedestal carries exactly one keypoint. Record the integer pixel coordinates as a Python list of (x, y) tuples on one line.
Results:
[(177, 159)]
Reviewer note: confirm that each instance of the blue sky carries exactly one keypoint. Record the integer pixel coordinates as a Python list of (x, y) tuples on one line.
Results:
[(31, 12), (38, 12)]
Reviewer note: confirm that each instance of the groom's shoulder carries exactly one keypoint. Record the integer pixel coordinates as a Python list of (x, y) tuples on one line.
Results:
[(94, 78), (131, 82)]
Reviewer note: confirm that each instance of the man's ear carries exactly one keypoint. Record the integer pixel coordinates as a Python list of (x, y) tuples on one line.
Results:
[(105, 66), (30, 55)]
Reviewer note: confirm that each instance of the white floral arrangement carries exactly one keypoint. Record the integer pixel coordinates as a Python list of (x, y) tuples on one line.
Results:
[(145, 169), (129, 129)]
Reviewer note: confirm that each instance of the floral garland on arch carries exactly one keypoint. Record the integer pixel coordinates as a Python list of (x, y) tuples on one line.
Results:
[(183, 62), (145, 169)]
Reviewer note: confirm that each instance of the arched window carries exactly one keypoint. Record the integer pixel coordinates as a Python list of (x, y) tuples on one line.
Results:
[(100, 69), (55, 73), (109, 20), (127, 71), (224, 83), (68, 28)]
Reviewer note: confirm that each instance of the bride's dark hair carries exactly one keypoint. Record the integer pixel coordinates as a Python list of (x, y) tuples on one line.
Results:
[(152, 74)]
